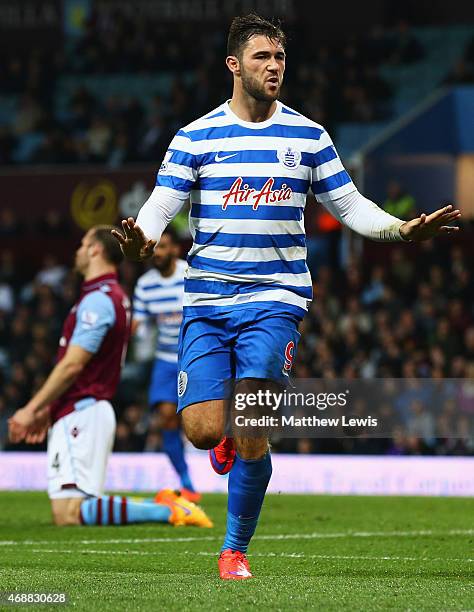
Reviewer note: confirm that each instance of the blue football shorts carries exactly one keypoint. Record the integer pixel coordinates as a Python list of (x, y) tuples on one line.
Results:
[(163, 384), (231, 345)]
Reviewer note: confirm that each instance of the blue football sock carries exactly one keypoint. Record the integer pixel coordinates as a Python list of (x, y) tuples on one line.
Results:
[(115, 510), (248, 481), (174, 448)]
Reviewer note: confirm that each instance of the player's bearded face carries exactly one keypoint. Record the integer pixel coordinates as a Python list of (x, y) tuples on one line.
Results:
[(164, 254), (261, 69), (256, 88), (82, 258)]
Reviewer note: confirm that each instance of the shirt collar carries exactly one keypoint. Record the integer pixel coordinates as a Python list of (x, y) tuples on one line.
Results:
[(254, 125), (96, 282)]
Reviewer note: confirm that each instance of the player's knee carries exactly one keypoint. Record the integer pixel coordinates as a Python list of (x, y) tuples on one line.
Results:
[(202, 435), (204, 424), (204, 440)]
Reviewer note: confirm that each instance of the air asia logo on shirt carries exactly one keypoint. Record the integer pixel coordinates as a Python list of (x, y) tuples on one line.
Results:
[(243, 194), (289, 157), (289, 355)]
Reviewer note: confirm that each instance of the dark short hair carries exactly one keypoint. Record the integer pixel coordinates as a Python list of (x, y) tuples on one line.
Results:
[(112, 251), (172, 233), (243, 28)]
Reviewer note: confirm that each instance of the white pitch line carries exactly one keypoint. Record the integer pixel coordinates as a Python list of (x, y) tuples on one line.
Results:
[(270, 537), (366, 534), (142, 553), (114, 541)]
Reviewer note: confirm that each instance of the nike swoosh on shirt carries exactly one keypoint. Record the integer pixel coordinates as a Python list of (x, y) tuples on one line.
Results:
[(219, 159)]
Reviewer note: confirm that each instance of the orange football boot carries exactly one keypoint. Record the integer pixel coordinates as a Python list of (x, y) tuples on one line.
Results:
[(233, 565), (192, 496), (183, 512), (222, 457)]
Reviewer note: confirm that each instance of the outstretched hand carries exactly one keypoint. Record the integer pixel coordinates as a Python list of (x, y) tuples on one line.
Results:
[(133, 242), (425, 226)]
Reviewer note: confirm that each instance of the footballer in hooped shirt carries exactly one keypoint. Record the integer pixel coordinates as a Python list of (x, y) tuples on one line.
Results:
[(74, 403), (158, 301), (247, 167)]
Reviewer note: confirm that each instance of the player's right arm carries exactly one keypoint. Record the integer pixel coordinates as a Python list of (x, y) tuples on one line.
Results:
[(95, 315), (30, 418), (133, 242), (175, 179)]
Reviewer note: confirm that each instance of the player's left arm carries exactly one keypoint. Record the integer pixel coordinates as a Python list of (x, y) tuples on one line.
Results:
[(366, 218), (95, 315), (333, 187)]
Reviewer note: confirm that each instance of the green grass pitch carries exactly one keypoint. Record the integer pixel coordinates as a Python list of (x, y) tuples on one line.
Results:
[(309, 553)]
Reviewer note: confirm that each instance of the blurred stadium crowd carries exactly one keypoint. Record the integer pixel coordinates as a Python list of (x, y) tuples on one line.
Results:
[(403, 312), (398, 312), (60, 123)]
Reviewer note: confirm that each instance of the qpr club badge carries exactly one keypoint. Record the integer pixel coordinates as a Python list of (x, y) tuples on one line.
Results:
[(289, 157), (182, 383)]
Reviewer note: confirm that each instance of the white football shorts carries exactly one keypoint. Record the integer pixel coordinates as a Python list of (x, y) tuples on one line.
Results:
[(79, 446)]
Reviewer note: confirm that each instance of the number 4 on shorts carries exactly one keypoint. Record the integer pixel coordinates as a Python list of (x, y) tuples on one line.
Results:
[(55, 463)]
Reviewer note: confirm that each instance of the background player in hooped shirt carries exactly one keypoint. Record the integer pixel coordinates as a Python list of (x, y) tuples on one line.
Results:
[(75, 401), (158, 298), (247, 167)]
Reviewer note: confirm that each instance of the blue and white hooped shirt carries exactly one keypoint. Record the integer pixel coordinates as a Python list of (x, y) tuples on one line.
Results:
[(247, 183), (160, 299)]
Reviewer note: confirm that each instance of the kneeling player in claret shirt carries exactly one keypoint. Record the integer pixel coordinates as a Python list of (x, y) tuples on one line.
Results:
[(74, 403)]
